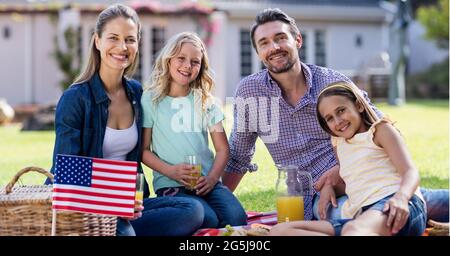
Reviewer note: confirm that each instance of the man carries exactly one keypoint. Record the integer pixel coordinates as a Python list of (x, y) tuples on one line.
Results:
[(278, 105)]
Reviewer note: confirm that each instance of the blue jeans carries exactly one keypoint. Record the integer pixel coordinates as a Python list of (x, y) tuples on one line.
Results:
[(124, 228), (414, 226), (164, 216), (221, 207), (436, 205)]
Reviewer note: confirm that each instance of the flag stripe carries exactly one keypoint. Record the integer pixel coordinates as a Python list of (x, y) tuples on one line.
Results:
[(99, 169), (131, 181), (93, 192), (95, 185), (113, 175), (96, 207), (129, 200), (117, 185), (96, 202), (88, 210), (115, 162)]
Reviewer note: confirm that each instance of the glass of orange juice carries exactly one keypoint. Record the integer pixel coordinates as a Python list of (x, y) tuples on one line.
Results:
[(197, 167), (289, 191), (140, 180)]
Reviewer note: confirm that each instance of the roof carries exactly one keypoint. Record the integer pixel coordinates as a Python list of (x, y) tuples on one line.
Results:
[(148, 6), (349, 10), (310, 2)]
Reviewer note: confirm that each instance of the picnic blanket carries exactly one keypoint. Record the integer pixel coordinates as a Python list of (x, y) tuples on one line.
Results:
[(270, 219), (266, 218)]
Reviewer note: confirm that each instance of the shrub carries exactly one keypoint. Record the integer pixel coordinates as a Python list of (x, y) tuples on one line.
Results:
[(432, 83)]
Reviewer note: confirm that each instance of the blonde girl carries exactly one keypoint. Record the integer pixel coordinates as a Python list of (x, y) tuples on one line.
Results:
[(179, 111)]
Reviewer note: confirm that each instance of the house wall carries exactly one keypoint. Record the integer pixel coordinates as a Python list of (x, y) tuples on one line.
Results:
[(13, 54), (233, 57), (46, 77), (342, 53), (32, 43), (32, 76), (28, 71)]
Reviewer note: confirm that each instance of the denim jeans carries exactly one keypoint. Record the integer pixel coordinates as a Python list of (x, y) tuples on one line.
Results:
[(436, 205), (221, 207), (124, 228), (414, 226), (165, 216)]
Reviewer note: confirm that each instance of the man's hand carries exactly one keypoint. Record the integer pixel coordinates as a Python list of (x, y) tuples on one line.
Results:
[(327, 195), (330, 177)]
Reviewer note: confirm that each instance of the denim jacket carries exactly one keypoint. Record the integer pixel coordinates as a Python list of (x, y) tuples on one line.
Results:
[(81, 119)]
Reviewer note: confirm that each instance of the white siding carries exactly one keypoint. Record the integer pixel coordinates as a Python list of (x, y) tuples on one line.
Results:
[(46, 77), (12, 53), (342, 52), (28, 70), (232, 47), (32, 74)]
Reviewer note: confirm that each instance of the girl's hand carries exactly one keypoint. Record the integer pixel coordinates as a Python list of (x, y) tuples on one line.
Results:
[(398, 209), (138, 208), (205, 185), (182, 173), (327, 195)]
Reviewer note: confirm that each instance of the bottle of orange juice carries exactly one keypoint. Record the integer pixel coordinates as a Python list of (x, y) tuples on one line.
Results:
[(289, 192), (290, 208)]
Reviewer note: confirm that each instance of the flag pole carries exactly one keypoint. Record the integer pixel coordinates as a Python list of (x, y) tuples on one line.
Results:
[(54, 222)]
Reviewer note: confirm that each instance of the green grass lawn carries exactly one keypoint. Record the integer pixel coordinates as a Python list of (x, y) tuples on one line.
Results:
[(424, 126)]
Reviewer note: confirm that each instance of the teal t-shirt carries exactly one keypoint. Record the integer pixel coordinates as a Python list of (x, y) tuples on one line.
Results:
[(179, 128)]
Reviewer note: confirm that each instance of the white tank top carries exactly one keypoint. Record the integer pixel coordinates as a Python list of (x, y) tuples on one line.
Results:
[(118, 143)]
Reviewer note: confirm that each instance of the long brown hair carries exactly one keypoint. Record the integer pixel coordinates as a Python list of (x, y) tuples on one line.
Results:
[(351, 92), (93, 59)]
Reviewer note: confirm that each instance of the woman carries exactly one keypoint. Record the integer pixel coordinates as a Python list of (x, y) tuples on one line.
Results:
[(100, 116)]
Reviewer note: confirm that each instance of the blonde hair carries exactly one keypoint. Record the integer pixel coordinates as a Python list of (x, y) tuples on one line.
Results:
[(159, 83), (354, 94), (92, 64)]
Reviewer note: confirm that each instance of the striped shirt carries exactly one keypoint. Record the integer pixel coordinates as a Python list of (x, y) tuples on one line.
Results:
[(292, 135)]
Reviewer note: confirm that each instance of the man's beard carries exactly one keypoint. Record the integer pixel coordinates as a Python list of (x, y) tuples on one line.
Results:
[(286, 67)]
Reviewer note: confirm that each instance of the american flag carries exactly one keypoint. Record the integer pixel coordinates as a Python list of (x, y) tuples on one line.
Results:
[(94, 185)]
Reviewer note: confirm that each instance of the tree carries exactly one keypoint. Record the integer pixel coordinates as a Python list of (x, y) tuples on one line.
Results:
[(67, 60), (435, 20)]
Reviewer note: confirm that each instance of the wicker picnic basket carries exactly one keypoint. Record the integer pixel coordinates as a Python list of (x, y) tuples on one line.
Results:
[(27, 211)]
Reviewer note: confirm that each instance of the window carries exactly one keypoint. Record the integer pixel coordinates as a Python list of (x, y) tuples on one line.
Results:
[(358, 41), (138, 72), (320, 55), (158, 40), (246, 53), (80, 44), (302, 51), (6, 32)]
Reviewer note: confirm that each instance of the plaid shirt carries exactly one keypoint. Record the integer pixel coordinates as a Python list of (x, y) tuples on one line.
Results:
[(292, 136)]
